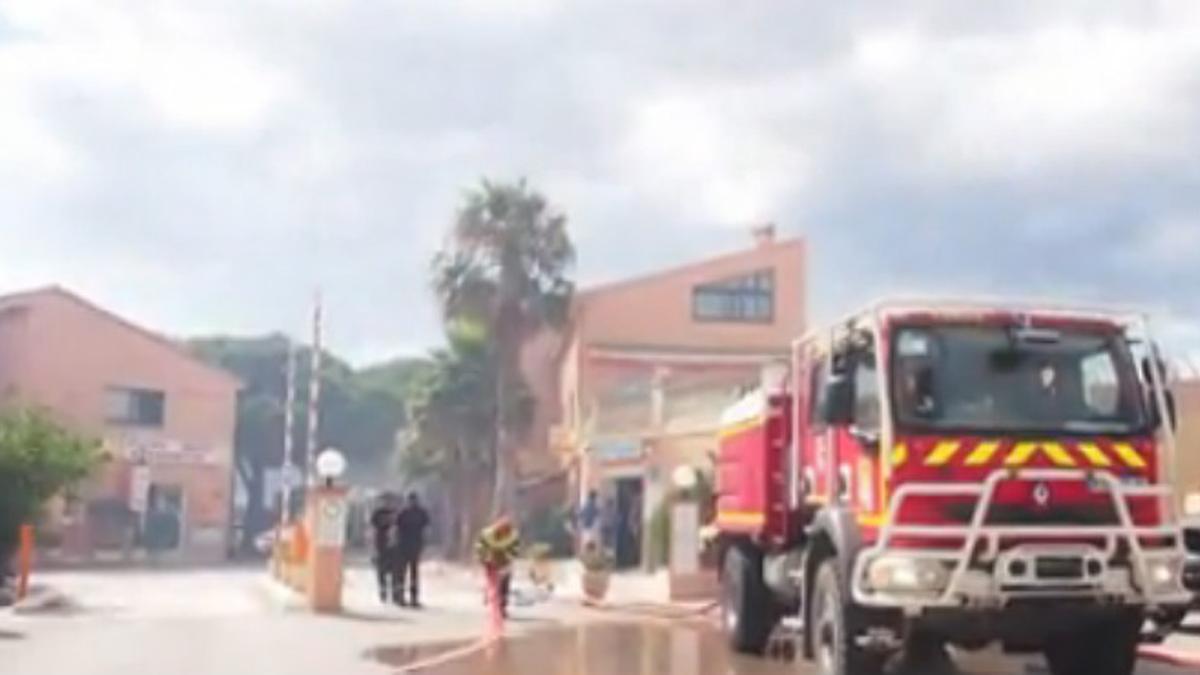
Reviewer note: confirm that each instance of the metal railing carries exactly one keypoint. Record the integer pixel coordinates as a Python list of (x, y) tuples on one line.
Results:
[(979, 532)]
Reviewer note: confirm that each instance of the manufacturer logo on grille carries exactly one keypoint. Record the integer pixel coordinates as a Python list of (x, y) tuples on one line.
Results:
[(1041, 495)]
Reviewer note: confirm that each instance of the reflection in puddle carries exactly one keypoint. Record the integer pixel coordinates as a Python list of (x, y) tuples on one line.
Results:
[(402, 655), (657, 649), (611, 649)]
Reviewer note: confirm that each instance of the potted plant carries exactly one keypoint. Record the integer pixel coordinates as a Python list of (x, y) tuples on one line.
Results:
[(597, 567)]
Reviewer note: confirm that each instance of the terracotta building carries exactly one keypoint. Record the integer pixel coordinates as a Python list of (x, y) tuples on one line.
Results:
[(1187, 462), (648, 364), (165, 419)]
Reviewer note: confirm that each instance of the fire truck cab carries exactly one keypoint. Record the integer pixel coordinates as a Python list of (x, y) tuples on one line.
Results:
[(955, 473)]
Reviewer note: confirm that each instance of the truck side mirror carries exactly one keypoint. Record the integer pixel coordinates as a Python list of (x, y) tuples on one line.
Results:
[(1156, 416), (837, 403)]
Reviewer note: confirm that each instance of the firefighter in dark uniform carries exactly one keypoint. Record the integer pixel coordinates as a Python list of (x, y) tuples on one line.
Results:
[(386, 556), (411, 524)]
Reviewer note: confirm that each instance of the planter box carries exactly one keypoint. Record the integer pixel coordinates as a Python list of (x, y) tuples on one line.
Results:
[(595, 585)]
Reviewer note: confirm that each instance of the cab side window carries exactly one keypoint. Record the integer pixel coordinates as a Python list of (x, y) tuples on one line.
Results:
[(866, 393), (817, 393)]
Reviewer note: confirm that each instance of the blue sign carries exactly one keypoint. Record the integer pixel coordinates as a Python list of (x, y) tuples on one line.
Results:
[(617, 450)]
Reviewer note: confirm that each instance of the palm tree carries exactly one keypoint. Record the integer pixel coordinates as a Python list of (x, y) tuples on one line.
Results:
[(450, 440), (505, 266)]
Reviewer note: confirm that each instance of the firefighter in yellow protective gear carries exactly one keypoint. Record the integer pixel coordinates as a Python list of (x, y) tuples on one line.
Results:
[(496, 548)]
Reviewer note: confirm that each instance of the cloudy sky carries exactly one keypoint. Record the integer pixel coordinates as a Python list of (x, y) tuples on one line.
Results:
[(202, 166)]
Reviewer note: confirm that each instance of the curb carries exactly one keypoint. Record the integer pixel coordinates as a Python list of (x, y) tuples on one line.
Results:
[(1171, 657)]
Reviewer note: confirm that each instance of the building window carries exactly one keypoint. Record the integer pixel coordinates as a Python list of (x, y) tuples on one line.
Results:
[(135, 407), (749, 298)]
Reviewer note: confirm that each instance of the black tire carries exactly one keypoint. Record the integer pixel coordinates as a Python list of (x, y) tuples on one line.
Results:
[(1105, 648), (834, 624), (747, 615)]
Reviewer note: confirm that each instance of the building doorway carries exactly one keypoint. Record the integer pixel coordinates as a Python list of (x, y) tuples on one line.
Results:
[(627, 548), (164, 518)]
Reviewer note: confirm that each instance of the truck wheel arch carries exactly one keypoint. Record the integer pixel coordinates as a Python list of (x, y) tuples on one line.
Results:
[(833, 533)]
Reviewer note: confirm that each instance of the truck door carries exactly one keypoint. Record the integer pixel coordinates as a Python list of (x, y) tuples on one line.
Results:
[(858, 445), (816, 437)]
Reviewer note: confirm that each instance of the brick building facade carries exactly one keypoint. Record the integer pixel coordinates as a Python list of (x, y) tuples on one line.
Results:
[(165, 419), (648, 364)]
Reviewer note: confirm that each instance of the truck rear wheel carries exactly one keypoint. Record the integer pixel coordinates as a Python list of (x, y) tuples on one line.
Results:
[(834, 626), (746, 611), (1106, 648)]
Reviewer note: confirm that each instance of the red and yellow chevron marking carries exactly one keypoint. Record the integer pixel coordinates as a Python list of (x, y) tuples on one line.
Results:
[(1087, 454)]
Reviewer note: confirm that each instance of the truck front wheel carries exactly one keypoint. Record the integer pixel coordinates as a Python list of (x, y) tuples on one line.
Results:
[(1105, 648), (746, 609), (834, 625)]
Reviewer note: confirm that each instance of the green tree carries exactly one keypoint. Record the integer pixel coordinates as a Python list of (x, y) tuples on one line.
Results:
[(505, 265), (38, 459), (361, 412), (451, 439)]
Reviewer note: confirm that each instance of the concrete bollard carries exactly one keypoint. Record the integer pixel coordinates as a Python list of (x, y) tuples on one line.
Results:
[(326, 518), (24, 560)]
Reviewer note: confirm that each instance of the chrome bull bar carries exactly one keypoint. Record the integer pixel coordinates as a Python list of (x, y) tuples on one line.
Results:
[(977, 532)]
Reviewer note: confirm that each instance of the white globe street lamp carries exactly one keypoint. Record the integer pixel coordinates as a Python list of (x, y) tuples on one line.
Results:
[(331, 464), (684, 477)]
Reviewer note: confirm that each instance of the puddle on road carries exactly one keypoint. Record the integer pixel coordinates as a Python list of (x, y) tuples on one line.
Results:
[(601, 649), (401, 656), (657, 649)]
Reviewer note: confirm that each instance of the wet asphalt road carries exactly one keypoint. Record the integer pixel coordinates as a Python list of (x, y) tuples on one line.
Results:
[(213, 622), (640, 649)]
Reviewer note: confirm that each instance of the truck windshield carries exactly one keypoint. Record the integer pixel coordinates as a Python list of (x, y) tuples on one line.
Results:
[(993, 378)]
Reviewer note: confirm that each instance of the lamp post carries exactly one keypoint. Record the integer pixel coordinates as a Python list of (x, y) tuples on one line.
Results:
[(327, 510), (331, 464)]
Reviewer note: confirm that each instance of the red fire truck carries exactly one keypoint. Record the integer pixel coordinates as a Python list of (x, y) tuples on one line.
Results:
[(955, 473)]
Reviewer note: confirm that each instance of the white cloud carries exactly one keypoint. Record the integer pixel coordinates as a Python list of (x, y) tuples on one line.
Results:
[(1174, 243), (1064, 94), (267, 147), (181, 62), (710, 157)]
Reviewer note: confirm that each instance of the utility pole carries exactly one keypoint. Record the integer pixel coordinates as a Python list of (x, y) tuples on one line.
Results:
[(287, 468), (314, 391)]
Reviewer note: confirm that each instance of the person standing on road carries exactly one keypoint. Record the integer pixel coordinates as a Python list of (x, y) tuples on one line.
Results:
[(496, 548), (411, 524), (386, 557)]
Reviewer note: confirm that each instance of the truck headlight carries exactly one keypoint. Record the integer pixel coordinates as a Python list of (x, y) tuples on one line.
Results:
[(1164, 574), (905, 574)]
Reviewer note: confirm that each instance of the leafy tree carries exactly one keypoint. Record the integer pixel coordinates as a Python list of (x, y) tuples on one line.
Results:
[(360, 412), (451, 441), (505, 266), (38, 459)]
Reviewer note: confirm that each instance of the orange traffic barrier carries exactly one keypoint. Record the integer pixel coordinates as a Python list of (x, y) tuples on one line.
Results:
[(24, 560), (299, 544)]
